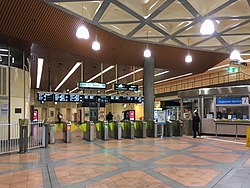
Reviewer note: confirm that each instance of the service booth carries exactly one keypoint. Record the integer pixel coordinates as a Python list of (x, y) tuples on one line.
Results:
[(223, 110)]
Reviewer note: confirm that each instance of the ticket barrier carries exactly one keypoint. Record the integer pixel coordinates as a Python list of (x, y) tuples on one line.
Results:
[(102, 130), (152, 128), (140, 129), (67, 132), (89, 131), (115, 130), (128, 129)]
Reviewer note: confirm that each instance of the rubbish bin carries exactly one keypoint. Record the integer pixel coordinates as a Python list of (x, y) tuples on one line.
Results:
[(51, 134), (88, 131), (151, 129), (67, 133), (23, 142)]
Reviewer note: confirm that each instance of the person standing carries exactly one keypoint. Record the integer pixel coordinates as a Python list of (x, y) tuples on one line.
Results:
[(59, 116), (196, 121), (109, 117)]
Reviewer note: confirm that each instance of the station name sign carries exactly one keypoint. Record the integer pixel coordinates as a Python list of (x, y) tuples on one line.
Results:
[(91, 85), (125, 87)]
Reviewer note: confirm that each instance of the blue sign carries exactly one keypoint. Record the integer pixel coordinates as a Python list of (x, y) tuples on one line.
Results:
[(229, 100)]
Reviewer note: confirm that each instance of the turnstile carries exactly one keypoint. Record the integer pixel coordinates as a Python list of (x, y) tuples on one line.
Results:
[(152, 129), (88, 131), (140, 129), (102, 130), (67, 133), (51, 133), (115, 130), (128, 129)]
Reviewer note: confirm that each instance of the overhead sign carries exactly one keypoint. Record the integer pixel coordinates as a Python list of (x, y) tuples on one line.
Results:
[(45, 96), (61, 97), (238, 100), (92, 85), (125, 87)]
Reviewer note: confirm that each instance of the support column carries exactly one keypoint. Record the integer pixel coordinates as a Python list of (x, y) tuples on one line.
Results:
[(148, 88)]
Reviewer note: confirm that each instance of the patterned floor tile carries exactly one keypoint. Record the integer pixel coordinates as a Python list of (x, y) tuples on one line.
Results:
[(219, 157), (143, 148), (113, 145), (247, 163), (60, 155), (24, 178), (27, 157), (231, 146), (175, 146), (129, 179), (181, 160), (76, 174), (6, 167), (88, 147), (103, 158), (140, 156), (190, 176), (209, 149)]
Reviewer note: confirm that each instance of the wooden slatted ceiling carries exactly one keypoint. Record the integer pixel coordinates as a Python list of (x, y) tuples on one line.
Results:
[(37, 22)]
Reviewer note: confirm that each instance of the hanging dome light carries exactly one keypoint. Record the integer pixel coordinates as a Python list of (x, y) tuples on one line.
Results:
[(207, 27), (147, 53), (96, 45), (188, 58), (82, 32), (235, 55)]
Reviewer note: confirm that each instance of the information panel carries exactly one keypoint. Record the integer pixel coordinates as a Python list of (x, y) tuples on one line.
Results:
[(89, 98), (75, 98), (45, 97), (92, 85), (61, 97), (236, 100), (125, 87), (103, 99)]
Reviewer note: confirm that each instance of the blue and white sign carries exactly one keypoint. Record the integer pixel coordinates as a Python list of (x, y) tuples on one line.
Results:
[(238, 100)]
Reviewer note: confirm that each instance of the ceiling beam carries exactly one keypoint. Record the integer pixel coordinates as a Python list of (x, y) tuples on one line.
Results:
[(101, 11)]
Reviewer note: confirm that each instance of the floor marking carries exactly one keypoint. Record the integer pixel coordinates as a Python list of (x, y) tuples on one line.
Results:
[(224, 140)]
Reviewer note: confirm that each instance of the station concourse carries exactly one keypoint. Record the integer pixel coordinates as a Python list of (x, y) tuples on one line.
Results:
[(111, 93)]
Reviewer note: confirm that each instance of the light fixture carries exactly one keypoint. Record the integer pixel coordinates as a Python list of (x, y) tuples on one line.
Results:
[(168, 79), (96, 45), (74, 90), (68, 75), (82, 31), (100, 73), (39, 71), (3, 50), (218, 67), (188, 58), (1, 59), (207, 27), (235, 55), (147, 52)]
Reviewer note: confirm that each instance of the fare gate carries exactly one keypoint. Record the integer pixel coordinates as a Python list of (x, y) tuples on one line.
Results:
[(128, 129), (140, 129), (102, 130), (115, 130), (89, 131), (152, 129)]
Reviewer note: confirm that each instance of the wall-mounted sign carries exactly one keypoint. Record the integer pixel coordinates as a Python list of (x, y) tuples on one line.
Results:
[(232, 69), (92, 85), (238, 100), (125, 87)]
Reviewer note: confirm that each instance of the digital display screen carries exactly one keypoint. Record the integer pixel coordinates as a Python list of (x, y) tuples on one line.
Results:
[(125, 99), (61, 97), (89, 98), (125, 87), (75, 98), (103, 99), (45, 97)]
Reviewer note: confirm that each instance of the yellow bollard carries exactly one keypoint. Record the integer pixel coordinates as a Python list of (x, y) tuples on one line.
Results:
[(248, 137)]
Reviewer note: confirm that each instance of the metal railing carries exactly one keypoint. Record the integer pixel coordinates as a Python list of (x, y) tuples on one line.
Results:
[(10, 136), (200, 81)]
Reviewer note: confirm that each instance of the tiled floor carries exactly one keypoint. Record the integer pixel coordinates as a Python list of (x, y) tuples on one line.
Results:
[(152, 162)]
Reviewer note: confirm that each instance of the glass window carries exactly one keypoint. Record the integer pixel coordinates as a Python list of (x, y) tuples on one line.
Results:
[(16, 58), (209, 108), (3, 55)]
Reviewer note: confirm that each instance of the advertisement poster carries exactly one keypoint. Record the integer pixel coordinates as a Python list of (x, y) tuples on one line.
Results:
[(35, 115), (161, 117), (4, 110), (132, 115)]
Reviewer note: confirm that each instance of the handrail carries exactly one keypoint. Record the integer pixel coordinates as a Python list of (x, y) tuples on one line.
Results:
[(210, 79)]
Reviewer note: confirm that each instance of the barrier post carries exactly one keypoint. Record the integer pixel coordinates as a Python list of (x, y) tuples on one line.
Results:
[(248, 137), (23, 142)]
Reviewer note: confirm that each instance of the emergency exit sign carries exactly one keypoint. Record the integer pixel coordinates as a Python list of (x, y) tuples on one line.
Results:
[(232, 69)]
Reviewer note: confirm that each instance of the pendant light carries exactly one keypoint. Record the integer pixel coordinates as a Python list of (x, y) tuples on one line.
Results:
[(188, 58), (96, 45), (82, 31), (147, 52), (235, 55), (207, 27)]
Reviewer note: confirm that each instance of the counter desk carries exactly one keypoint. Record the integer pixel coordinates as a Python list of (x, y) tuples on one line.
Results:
[(235, 123)]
